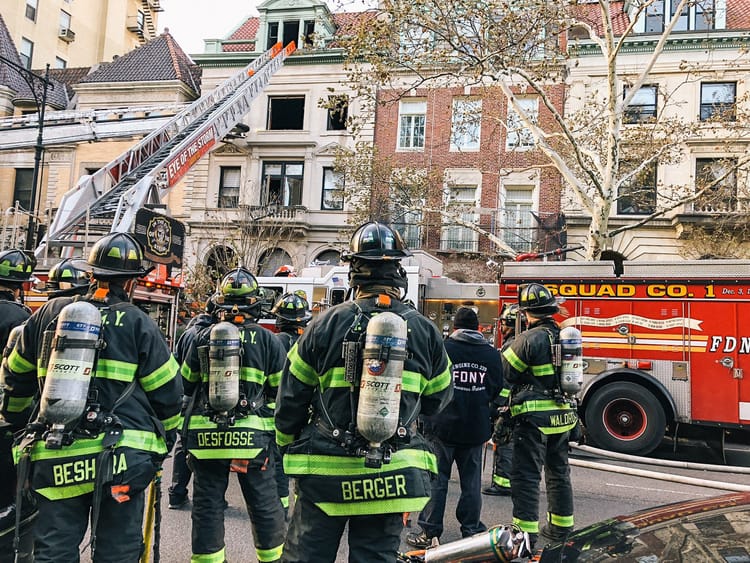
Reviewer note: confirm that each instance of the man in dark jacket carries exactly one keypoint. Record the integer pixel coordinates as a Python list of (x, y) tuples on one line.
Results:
[(100, 464), (543, 419), (459, 433), (344, 479)]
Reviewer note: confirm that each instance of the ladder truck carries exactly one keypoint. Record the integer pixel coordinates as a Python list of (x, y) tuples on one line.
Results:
[(108, 200)]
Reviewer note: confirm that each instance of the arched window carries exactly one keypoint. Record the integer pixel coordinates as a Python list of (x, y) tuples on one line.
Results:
[(271, 260), (328, 258)]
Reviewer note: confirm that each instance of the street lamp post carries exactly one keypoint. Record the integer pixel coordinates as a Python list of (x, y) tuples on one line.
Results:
[(32, 79)]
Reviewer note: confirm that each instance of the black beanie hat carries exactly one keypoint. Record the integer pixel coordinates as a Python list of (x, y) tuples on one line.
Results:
[(466, 318)]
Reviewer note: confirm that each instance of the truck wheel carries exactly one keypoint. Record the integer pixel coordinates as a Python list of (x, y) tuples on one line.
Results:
[(626, 418)]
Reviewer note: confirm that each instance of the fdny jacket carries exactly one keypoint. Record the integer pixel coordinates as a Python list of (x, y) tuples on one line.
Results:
[(262, 360), (477, 380), (12, 314), (135, 351), (528, 366), (331, 474)]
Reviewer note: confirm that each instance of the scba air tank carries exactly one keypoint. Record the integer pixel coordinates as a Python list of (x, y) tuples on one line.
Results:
[(71, 364), (571, 369), (380, 383), (224, 367)]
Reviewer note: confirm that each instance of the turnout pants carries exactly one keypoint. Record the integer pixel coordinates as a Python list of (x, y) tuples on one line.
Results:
[(502, 464), (210, 480), (180, 472), (468, 510), (315, 536), (533, 450), (61, 525)]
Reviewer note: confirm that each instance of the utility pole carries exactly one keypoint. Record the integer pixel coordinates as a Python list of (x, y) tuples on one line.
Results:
[(33, 80)]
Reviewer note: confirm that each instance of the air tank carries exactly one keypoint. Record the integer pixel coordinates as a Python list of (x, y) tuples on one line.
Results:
[(224, 367), (571, 369)]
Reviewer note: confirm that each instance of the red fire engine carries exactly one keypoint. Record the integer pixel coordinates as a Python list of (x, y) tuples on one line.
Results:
[(666, 345)]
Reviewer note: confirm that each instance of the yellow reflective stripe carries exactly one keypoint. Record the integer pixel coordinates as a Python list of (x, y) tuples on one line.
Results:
[(283, 439), (115, 370), (541, 405), (542, 370), (304, 464), (19, 404), (217, 557), (226, 453), (190, 375), (160, 376), (285, 501), (172, 422), (411, 381), (253, 375), (528, 526), (137, 439), (19, 364), (333, 378), (505, 393), (500, 481), (439, 383), (556, 429), (301, 369), (274, 378), (517, 363), (373, 507), (200, 422), (560, 521), (60, 493), (272, 554)]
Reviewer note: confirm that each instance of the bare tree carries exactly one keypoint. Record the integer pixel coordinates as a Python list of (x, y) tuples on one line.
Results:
[(603, 142)]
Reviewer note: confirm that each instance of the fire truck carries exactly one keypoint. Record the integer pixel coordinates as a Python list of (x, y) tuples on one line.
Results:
[(665, 344)]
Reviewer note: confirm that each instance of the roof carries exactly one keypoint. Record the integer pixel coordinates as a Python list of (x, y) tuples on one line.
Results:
[(8, 76), (159, 59)]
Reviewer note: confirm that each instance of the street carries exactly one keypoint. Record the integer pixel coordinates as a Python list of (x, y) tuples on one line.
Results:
[(598, 495)]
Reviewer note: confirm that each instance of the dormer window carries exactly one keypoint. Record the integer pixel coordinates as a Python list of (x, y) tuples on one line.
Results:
[(697, 15)]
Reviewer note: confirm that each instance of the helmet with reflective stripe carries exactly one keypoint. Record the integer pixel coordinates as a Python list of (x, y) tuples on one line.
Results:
[(239, 283), (537, 300), (72, 271), (509, 315), (292, 307), (117, 255), (16, 266), (375, 241)]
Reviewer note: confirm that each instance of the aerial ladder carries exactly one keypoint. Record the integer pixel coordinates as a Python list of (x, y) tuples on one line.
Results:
[(108, 200)]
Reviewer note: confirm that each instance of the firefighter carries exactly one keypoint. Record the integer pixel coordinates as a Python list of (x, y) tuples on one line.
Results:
[(181, 474), (15, 269), (502, 451), (67, 278), (292, 316), (234, 437), (460, 432), (103, 459), (342, 476), (542, 419)]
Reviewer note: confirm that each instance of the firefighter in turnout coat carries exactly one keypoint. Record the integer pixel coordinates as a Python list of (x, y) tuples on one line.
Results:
[(111, 452), (15, 268), (542, 419), (341, 479), (236, 440)]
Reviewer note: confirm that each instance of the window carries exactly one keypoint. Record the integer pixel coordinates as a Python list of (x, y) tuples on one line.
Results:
[(643, 105), (291, 32), (338, 112), (31, 7), (229, 187), (271, 260), (456, 236), (517, 221), (141, 19), (717, 100), (411, 123), (466, 124), (638, 195), (718, 176), (60, 63), (333, 190), (286, 113), (282, 183), (308, 32), (700, 14), (64, 21), (519, 137), (26, 52), (22, 187), (273, 34), (409, 226)]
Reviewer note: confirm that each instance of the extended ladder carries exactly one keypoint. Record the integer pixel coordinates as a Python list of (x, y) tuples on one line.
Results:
[(107, 201)]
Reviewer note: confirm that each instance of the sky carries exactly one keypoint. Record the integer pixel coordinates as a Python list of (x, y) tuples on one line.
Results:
[(192, 21)]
